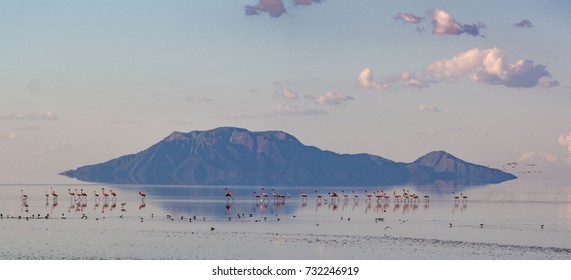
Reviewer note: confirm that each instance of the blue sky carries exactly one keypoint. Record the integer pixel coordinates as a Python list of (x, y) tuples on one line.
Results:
[(86, 81)]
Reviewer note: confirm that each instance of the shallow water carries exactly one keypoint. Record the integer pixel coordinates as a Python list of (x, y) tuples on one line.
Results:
[(510, 213)]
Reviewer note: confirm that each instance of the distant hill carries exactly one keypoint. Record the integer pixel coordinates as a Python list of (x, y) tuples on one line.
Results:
[(236, 156)]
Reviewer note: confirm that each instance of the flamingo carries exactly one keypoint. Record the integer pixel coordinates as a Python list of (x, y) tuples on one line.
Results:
[(386, 197), (426, 198), (414, 197), (24, 196), (264, 194), (368, 195), (396, 196), (334, 196), (464, 198), (83, 194), (345, 196), (105, 195), (96, 195), (355, 195), (71, 194), (47, 195), (228, 195), (378, 196), (113, 194), (257, 197), (456, 198), (303, 196), (54, 194), (405, 195), (318, 196), (143, 195)]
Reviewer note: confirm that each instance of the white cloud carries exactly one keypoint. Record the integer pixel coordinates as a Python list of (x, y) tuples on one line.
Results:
[(286, 109), (274, 7), (366, 80), (565, 140), (537, 157), (411, 80), (428, 108), (444, 23), (50, 116), (331, 98), (490, 66), (408, 18), (288, 94), (191, 99)]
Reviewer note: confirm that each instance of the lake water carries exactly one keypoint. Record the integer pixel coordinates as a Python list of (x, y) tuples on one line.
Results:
[(508, 213)]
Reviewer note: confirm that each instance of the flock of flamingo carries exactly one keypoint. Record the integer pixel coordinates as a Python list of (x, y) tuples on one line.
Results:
[(334, 197), (81, 195), (380, 196)]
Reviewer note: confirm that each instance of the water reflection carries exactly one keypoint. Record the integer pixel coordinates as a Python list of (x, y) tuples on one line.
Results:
[(497, 202)]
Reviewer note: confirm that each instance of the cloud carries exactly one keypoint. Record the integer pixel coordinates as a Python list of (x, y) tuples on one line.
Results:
[(408, 18), (9, 136), (274, 7), (537, 157), (305, 2), (288, 94), (410, 80), (331, 98), (192, 99), (48, 116), (490, 66), (428, 108), (524, 23), (406, 79), (444, 23), (565, 140), (285, 109), (366, 80)]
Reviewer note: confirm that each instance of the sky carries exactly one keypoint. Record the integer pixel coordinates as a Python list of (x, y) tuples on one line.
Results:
[(82, 82)]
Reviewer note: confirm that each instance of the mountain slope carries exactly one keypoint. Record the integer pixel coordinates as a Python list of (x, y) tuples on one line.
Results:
[(235, 156)]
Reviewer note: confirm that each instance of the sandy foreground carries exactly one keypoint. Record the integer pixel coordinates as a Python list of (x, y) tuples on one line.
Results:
[(117, 239)]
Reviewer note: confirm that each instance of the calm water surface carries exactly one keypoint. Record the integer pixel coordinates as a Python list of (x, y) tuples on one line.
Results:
[(509, 211)]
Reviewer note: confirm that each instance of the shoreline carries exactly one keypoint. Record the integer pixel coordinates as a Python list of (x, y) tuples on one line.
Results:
[(157, 240)]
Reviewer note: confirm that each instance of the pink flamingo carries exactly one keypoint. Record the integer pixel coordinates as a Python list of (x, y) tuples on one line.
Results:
[(303, 196), (464, 198), (386, 197), (143, 195), (345, 196), (368, 195), (113, 194), (318, 196), (257, 197), (228, 195), (426, 198), (24, 196), (71, 194), (355, 195), (96, 195), (405, 195), (456, 198), (105, 195), (396, 196), (264, 194), (378, 196), (54, 194), (83, 194)]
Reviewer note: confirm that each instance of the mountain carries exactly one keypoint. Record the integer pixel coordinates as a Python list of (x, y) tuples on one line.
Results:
[(236, 156)]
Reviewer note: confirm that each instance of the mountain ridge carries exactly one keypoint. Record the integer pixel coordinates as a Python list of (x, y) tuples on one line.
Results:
[(237, 156)]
